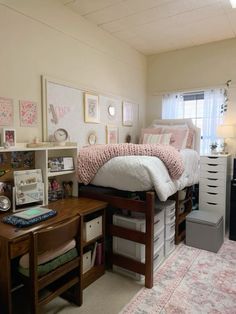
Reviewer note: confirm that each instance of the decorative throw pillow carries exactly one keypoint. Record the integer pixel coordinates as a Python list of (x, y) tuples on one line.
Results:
[(149, 131), (178, 136), (157, 139)]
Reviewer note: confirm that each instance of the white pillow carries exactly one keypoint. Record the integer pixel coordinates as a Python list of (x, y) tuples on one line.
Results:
[(157, 138)]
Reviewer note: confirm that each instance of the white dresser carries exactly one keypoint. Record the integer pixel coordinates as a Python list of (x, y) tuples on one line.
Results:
[(214, 185)]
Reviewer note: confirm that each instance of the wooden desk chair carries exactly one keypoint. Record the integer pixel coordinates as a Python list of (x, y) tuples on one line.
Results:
[(61, 278)]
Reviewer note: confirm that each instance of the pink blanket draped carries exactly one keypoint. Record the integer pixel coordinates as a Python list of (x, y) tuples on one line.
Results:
[(91, 158)]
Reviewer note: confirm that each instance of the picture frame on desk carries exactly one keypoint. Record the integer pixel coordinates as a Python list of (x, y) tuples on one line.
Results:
[(57, 164), (8, 137)]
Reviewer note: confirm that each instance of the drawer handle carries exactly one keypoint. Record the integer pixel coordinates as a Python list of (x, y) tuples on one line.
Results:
[(212, 165), (172, 227), (172, 241), (98, 222), (157, 238), (213, 157), (155, 223), (212, 179), (90, 226), (212, 186), (212, 171), (172, 217), (211, 193), (210, 203)]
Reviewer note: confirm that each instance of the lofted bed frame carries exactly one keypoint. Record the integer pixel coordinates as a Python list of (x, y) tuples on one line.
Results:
[(120, 200)]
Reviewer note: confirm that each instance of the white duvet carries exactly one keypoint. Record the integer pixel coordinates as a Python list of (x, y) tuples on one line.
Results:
[(143, 173)]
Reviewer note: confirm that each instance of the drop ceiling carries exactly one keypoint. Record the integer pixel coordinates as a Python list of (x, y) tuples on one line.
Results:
[(155, 26)]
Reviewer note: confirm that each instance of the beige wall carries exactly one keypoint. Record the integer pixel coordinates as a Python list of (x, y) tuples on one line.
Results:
[(44, 37), (199, 67), (189, 69)]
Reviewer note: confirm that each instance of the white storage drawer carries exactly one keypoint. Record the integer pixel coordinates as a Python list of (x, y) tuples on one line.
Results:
[(211, 190), (169, 230), (92, 229), (211, 206), (169, 245), (213, 160), (213, 167), (157, 260), (209, 183), (213, 175), (158, 257), (87, 261), (218, 198), (159, 239), (170, 218)]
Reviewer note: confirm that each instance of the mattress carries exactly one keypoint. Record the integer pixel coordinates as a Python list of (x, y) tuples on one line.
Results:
[(143, 173)]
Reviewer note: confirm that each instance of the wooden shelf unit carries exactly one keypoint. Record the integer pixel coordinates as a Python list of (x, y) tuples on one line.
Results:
[(95, 271)]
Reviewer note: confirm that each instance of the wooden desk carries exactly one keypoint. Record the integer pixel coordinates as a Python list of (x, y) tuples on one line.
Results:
[(15, 242)]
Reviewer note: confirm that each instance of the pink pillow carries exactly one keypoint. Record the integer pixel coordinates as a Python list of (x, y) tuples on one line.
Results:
[(163, 139), (149, 131), (179, 136)]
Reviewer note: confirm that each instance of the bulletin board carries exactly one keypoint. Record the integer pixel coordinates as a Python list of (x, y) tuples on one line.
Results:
[(63, 107)]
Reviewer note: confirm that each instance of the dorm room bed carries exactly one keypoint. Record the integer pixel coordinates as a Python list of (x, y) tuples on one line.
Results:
[(148, 176)]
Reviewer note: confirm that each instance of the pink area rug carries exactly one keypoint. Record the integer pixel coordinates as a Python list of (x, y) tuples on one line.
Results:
[(191, 281)]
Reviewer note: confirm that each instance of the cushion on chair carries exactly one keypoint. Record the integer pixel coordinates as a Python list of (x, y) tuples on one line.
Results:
[(43, 269), (48, 255)]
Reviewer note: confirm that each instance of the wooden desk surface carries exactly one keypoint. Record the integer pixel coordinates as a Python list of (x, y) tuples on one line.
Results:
[(66, 208)]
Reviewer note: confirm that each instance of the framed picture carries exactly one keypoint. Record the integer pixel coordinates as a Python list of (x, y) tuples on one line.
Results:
[(112, 134), (127, 113), (28, 113), (91, 108), (9, 137)]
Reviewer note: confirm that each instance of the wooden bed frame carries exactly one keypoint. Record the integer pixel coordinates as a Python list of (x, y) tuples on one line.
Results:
[(147, 206)]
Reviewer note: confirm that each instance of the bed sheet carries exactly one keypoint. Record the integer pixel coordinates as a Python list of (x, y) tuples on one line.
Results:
[(143, 173)]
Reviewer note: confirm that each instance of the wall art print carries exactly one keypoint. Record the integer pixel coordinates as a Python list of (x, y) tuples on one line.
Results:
[(112, 134), (28, 113), (6, 111), (91, 108)]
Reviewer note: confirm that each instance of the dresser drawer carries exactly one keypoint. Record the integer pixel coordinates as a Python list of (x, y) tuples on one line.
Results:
[(211, 206), (212, 189), (213, 175), (211, 198), (212, 182), (213, 167), (215, 160)]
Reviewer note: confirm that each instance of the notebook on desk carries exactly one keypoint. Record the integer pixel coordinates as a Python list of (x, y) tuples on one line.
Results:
[(32, 213), (25, 219)]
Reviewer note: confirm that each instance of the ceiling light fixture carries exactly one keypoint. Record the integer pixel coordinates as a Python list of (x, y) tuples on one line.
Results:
[(233, 3)]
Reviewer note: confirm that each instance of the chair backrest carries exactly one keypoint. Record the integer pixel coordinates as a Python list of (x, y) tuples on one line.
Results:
[(46, 239)]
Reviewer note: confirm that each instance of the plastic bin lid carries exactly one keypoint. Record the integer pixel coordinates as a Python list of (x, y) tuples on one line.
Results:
[(204, 217)]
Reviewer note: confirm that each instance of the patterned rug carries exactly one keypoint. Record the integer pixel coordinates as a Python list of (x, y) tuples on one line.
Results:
[(191, 281)]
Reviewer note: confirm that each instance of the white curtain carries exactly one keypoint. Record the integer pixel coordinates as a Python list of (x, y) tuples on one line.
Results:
[(212, 117), (214, 101), (172, 106)]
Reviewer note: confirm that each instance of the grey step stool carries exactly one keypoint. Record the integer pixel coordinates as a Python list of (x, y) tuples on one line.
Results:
[(204, 230)]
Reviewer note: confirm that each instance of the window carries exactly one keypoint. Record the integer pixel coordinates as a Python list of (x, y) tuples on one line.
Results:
[(204, 108)]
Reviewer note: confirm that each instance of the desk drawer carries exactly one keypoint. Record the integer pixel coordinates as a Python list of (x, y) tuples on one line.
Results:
[(19, 247), (212, 189)]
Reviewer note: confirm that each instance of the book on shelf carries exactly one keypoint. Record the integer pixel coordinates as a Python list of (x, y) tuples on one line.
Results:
[(94, 253), (99, 254)]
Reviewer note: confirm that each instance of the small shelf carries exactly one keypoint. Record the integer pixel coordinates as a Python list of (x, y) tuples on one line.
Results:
[(59, 173), (92, 274), (93, 240)]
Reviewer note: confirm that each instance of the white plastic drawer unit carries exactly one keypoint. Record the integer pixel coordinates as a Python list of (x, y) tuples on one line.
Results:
[(215, 160), (92, 229), (169, 245)]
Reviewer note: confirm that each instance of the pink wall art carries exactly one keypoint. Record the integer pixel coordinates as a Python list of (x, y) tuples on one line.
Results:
[(28, 113), (6, 111)]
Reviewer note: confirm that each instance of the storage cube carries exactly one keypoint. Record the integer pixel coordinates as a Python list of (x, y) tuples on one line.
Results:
[(87, 261), (92, 229), (204, 230)]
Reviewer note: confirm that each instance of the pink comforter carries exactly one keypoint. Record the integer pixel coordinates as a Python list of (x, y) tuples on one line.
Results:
[(91, 158)]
